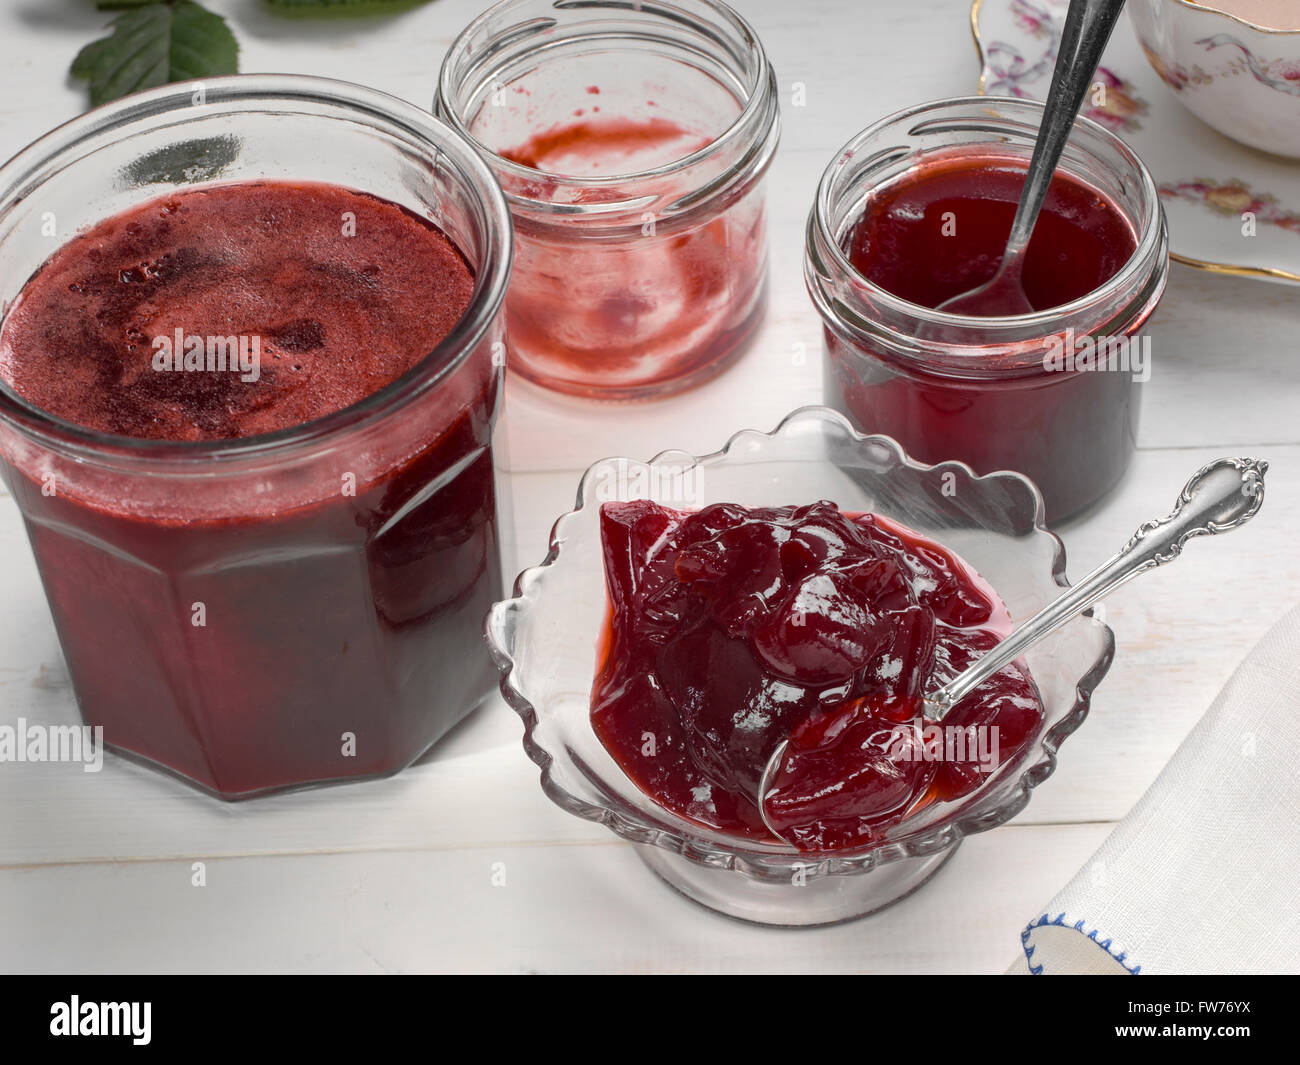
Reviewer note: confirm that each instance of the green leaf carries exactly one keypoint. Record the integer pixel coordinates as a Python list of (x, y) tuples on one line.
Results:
[(156, 44), (294, 8)]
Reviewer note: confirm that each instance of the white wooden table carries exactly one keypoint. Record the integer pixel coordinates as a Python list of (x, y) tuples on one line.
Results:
[(95, 869)]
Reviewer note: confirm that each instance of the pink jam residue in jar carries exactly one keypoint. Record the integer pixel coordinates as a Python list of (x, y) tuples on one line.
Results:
[(634, 177)]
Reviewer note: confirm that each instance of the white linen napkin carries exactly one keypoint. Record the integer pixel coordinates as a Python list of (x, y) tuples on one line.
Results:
[(1203, 874)]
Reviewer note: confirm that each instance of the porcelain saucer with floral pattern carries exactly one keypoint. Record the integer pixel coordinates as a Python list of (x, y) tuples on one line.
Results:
[(1232, 209)]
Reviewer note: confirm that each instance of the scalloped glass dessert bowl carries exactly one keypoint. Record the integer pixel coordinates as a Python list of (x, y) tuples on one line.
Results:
[(545, 643)]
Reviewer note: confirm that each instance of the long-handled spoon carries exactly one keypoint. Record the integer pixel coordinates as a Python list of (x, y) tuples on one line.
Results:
[(1088, 27), (1221, 496)]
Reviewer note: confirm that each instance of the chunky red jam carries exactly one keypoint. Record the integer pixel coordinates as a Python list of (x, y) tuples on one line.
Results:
[(312, 623), (732, 629), (942, 229)]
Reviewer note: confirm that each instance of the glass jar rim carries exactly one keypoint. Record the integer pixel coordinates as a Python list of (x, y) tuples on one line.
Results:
[(1149, 241), (758, 100), (24, 172)]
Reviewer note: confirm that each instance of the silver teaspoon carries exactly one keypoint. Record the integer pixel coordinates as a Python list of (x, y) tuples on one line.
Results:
[(1088, 26), (1221, 496)]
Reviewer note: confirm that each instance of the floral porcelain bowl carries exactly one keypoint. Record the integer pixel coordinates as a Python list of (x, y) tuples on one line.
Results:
[(545, 643), (1239, 76)]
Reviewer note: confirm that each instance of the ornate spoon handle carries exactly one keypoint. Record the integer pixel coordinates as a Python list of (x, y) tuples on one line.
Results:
[(1221, 496)]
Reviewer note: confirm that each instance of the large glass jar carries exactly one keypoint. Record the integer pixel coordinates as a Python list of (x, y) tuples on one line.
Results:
[(631, 141), (305, 605), (996, 393)]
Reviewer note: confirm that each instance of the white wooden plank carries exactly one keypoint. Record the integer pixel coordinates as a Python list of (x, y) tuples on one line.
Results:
[(584, 908)]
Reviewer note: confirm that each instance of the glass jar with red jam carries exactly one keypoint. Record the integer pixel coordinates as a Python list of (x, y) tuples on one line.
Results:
[(916, 210), (249, 372), (631, 141)]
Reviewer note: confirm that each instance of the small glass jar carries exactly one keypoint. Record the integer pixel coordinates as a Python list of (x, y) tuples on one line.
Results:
[(995, 393), (305, 605), (631, 141)]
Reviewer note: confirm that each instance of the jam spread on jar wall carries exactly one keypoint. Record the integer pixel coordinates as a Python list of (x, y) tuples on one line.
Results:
[(652, 306), (732, 629)]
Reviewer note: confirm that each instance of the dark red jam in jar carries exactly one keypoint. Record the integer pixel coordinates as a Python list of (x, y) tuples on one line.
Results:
[(249, 426), (111, 333), (732, 629), (1054, 394), (632, 142), (939, 231)]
